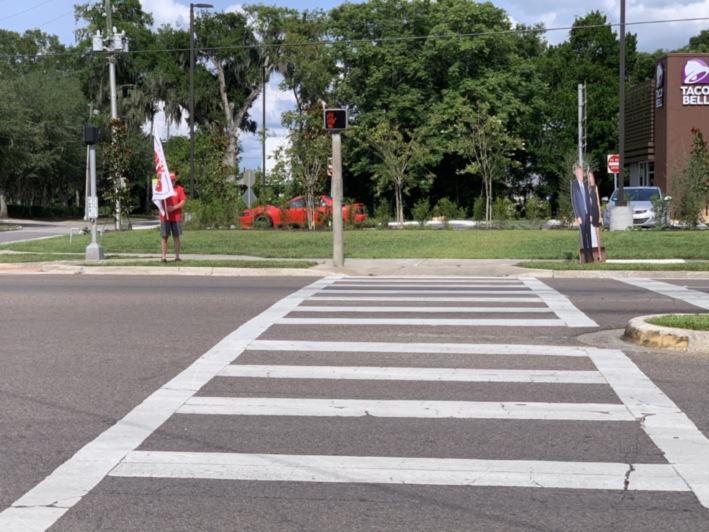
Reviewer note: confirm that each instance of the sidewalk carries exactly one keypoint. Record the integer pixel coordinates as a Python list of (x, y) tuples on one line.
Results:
[(351, 267)]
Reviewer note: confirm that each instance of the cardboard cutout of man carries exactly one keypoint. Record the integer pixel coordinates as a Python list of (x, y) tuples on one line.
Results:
[(582, 211)]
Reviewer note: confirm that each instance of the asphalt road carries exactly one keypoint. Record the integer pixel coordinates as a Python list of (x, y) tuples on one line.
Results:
[(184, 379)]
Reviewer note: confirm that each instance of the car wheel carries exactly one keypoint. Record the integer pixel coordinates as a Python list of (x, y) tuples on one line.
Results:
[(263, 220)]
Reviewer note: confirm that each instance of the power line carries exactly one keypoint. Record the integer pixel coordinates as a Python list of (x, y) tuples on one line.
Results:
[(26, 10), (365, 40)]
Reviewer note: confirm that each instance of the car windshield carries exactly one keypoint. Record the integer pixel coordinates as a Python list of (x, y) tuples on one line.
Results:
[(637, 194)]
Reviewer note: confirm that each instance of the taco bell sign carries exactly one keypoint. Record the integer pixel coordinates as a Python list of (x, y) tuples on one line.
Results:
[(695, 83)]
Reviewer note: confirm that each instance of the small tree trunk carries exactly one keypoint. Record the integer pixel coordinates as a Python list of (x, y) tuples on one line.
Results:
[(3, 204), (399, 206)]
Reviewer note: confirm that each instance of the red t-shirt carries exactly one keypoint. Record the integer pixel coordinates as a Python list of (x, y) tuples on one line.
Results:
[(176, 215)]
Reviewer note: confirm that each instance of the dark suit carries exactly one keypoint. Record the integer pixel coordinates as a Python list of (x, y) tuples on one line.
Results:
[(582, 209)]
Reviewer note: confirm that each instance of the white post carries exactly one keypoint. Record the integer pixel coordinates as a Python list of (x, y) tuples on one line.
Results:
[(338, 258), (94, 251)]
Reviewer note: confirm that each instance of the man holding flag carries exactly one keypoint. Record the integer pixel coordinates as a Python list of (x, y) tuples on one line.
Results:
[(170, 199)]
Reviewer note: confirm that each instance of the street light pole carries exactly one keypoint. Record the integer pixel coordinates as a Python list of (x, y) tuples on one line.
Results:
[(192, 6), (621, 106)]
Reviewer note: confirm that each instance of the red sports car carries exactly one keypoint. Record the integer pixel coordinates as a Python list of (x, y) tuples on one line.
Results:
[(295, 213)]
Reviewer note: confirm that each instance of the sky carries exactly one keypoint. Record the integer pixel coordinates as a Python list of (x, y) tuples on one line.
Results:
[(659, 24)]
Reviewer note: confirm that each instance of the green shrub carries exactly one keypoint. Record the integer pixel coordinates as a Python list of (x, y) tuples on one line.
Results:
[(213, 214), (503, 209), (479, 209), (382, 213), (536, 209), (661, 208), (448, 209), (421, 211)]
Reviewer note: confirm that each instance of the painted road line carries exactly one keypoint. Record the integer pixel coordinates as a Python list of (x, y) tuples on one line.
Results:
[(393, 470), (430, 349), (684, 446), (442, 291), (693, 297), (267, 406), (342, 284), (40, 507), (425, 322), (413, 374), (532, 299), (488, 310), (452, 280), (560, 304)]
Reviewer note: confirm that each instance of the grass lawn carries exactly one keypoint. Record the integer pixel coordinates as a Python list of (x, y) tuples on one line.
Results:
[(532, 244), (696, 322)]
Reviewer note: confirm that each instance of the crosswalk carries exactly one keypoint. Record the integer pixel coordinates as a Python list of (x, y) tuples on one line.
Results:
[(261, 350)]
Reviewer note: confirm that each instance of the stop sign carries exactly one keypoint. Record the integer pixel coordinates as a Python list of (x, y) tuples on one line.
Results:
[(613, 163)]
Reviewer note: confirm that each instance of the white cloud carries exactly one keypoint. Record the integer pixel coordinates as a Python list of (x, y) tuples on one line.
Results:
[(167, 12)]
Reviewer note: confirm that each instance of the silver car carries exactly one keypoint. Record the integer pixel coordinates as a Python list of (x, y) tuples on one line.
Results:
[(640, 199)]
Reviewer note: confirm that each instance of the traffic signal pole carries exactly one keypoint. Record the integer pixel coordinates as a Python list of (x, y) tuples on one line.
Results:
[(338, 256)]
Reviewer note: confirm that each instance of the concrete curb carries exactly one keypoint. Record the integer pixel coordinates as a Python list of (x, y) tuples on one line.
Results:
[(639, 332)]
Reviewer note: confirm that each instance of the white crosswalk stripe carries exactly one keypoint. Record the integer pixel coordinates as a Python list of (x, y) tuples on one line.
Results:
[(693, 297), (384, 470), (412, 374), (256, 406)]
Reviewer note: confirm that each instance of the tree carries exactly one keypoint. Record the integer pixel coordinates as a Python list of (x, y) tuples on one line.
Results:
[(40, 105), (306, 154), (242, 50), (411, 59), (307, 67), (402, 159), (487, 147)]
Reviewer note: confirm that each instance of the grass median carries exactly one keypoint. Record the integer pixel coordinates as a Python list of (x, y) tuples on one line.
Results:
[(555, 248)]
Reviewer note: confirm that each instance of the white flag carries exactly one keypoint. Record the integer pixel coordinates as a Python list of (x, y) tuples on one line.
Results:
[(162, 185)]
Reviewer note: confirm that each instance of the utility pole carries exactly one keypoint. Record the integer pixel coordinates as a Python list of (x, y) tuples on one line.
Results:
[(621, 107), (115, 42), (192, 6), (263, 122), (582, 103)]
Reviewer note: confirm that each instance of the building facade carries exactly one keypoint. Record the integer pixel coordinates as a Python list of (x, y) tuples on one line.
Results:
[(661, 115)]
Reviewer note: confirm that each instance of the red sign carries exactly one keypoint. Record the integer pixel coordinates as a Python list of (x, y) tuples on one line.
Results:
[(613, 163)]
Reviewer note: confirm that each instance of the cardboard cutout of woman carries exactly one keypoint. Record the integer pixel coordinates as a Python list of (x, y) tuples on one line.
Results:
[(595, 213)]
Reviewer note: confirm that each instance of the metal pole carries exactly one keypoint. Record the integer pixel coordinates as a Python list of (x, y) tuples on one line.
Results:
[(621, 104), (94, 251), (192, 6), (114, 103), (87, 192), (580, 123), (263, 121), (191, 101), (338, 257)]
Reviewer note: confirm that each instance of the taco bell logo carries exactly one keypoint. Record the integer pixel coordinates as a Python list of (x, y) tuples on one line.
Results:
[(695, 83), (695, 72)]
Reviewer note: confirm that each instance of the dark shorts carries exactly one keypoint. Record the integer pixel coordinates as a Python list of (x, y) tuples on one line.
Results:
[(167, 228)]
